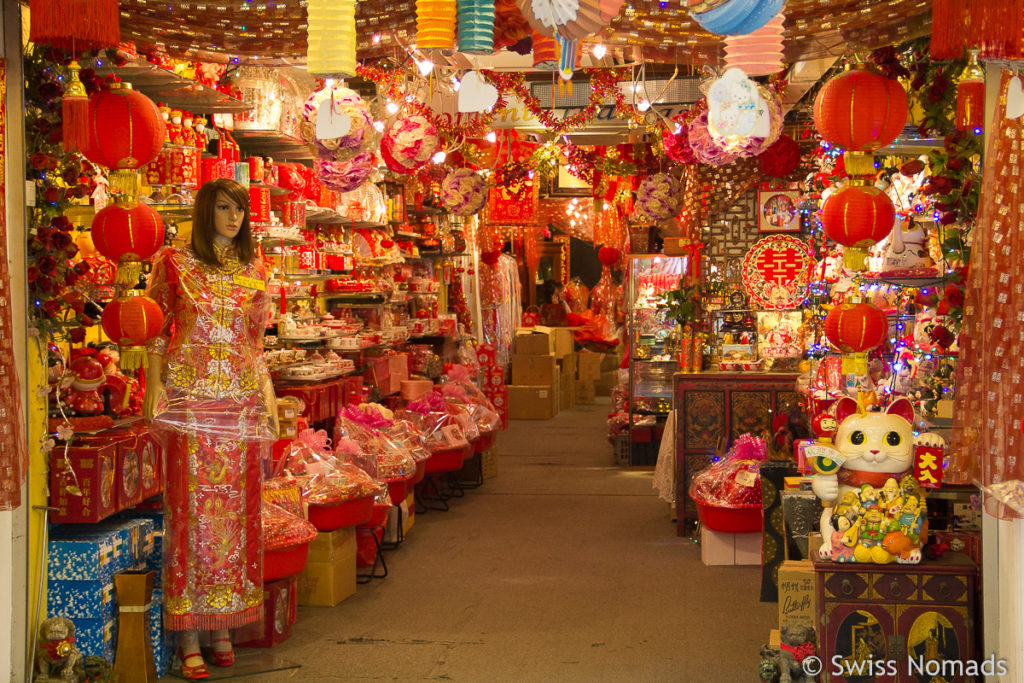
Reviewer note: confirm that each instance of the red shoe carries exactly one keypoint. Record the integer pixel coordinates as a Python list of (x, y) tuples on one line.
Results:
[(223, 657), (193, 672)]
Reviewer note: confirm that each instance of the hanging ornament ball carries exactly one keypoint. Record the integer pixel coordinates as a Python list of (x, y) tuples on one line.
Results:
[(490, 257), (780, 159), (857, 216), (704, 146), (733, 17), (464, 192), (608, 256), (126, 128), (860, 110), (856, 327), (409, 144), (659, 197), (130, 322), (336, 124)]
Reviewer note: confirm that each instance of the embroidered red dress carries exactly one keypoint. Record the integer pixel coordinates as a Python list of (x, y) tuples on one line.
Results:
[(215, 436)]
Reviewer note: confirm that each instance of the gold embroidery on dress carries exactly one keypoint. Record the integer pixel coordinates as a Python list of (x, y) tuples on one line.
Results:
[(219, 595), (178, 605)]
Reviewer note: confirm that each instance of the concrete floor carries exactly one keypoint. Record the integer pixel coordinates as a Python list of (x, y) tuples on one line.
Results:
[(564, 567)]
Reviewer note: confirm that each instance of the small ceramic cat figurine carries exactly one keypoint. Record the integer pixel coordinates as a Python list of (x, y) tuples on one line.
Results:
[(872, 448)]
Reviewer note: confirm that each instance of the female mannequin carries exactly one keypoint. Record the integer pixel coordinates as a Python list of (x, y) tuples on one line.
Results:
[(216, 424)]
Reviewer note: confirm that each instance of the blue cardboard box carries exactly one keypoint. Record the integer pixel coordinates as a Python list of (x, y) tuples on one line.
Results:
[(155, 561), (81, 599), (133, 540), (80, 557), (160, 639), (96, 637)]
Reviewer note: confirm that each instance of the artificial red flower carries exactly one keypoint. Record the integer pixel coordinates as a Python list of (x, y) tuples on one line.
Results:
[(954, 295), (62, 240), (47, 265), (62, 223), (77, 335), (44, 284), (87, 321), (40, 161), (52, 195), (82, 267), (52, 307), (33, 273), (70, 278), (955, 164), (948, 218), (943, 307)]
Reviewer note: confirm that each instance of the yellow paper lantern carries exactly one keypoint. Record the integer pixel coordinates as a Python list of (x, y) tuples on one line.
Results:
[(435, 24), (331, 38)]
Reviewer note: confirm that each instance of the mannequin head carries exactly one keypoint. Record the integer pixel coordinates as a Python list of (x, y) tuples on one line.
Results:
[(222, 208)]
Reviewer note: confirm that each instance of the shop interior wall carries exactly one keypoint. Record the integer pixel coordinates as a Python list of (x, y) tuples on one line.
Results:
[(730, 234), (13, 536)]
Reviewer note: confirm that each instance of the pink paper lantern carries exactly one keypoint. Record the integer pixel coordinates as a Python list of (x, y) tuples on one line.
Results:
[(758, 53)]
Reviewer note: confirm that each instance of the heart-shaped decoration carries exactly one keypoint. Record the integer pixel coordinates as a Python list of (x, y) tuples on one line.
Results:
[(1014, 98), (475, 94), (330, 123)]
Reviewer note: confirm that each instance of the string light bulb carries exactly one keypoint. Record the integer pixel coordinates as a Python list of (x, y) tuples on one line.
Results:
[(492, 136), (599, 51), (425, 66), (439, 157)]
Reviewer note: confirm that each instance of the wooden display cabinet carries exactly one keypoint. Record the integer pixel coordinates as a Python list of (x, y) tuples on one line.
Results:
[(869, 615), (712, 411)]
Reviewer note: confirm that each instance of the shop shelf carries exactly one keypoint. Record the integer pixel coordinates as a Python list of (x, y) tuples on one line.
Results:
[(272, 143)]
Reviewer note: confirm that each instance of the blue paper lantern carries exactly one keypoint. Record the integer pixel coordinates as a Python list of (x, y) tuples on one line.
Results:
[(476, 26), (738, 17)]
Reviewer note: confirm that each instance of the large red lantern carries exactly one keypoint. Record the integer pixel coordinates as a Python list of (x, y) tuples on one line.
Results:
[(128, 234), (126, 132), (860, 110), (130, 322), (857, 216), (855, 328)]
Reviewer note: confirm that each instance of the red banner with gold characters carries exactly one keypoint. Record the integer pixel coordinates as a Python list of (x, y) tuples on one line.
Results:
[(928, 465), (503, 208), (13, 455)]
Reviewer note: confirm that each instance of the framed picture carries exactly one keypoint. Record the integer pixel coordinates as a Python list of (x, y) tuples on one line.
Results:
[(777, 211), (565, 184)]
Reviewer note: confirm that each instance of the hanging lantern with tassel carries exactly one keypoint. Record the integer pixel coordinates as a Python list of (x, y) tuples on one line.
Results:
[(970, 96), (758, 53), (75, 24), (331, 38), (435, 24), (126, 132), (860, 110), (855, 328), (131, 321), (128, 234), (857, 216)]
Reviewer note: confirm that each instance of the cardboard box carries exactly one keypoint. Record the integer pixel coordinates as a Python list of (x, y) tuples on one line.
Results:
[(589, 364), (563, 341), (567, 365), (532, 402), (329, 546), (796, 593), (278, 616), (717, 548), (585, 394), (325, 584), (81, 599), (567, 393), (607, 383), (534, 370), (534, 341), (489, 462), (93, 468)]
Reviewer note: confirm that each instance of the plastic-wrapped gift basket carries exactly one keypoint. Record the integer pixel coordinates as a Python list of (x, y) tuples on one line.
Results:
[(728, 493)]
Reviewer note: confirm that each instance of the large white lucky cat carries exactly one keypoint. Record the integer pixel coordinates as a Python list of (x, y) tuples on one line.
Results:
[(874, 448)]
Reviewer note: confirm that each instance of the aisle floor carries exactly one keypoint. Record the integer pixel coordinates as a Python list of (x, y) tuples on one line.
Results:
[(564, 567)]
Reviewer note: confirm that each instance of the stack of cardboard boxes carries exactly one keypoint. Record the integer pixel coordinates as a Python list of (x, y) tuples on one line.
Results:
[(543, 372), (330, 573)]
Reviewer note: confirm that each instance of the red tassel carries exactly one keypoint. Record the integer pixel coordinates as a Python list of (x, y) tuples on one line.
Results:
[(75, 113), (970, 105), (75, 24), (949, 28), (997, 27)]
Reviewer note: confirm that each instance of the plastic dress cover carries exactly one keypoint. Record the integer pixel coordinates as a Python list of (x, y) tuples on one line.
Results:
[(213, 426)]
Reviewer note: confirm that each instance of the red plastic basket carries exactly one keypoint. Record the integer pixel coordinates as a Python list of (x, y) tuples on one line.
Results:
[(742, 520), (282, 562), (485, 441), (333, 516), (421, 471), (399, 489), (379, 516), (447, 460)]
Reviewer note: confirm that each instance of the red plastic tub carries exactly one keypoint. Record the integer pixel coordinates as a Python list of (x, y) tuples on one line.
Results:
[(333, 516), (287, 561), (379, 516), (485, 441), (742, 520), (421, 471), (399, 489), (447, 460)]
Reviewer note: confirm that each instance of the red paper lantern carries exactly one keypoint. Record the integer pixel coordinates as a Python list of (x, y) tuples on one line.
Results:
[(860, 110), (125, 127), (856, 327), (857, 216), (128, 234), (608, 256), (130, 322)]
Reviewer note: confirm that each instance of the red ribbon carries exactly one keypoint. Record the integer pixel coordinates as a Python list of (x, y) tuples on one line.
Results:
[(59, 649), (799, 652)]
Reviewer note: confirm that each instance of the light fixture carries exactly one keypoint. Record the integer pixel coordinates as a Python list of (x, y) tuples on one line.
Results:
[(391, 107), (599, 51), (456, 84), (379, 125), (643, 105), (329, 83), (439, 157), (425, 66), (492, 136), (375, 39)]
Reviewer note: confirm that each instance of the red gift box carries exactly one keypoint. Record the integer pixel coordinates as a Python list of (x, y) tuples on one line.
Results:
[(255, 169), (155, 172), (212, 168), (183, 166), (93, 469), (278, 616), (259, 204), (293, 214), (128, 477)]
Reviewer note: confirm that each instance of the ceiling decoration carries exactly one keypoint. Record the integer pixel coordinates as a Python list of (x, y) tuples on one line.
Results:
[(264, 28)]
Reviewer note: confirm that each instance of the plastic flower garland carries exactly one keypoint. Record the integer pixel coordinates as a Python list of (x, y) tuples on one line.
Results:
[(464, 192), (409, 144), (345, 103), (659, 198), (345, 176)]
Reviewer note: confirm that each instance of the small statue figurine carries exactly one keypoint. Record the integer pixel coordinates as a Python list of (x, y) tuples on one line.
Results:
[(798, 642), (57, 658)]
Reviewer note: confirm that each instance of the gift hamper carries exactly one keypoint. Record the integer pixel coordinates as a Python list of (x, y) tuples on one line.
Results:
[(728, 493), (365, 427), (286, 539)]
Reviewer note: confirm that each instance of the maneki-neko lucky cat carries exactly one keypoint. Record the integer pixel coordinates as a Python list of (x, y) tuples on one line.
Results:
[(867, 478)]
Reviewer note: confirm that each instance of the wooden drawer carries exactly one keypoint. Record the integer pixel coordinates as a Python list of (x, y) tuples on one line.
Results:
[(895, 587), (945, 588), (847, 586)]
